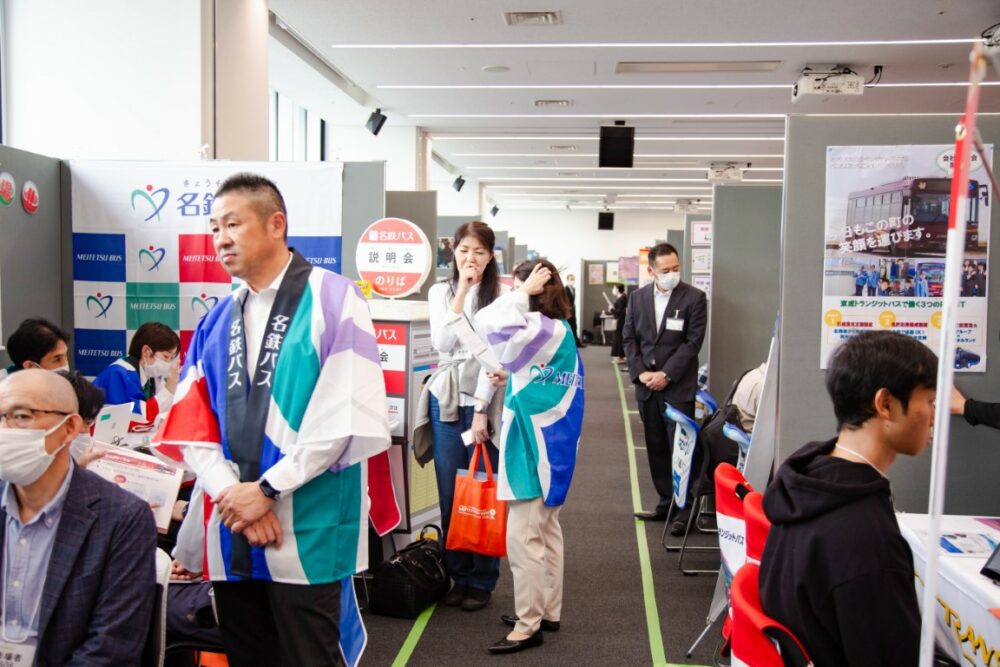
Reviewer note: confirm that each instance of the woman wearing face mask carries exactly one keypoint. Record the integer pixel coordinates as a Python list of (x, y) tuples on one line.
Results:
[(460, 397), (147, 377), (618, 311), (528, 331)]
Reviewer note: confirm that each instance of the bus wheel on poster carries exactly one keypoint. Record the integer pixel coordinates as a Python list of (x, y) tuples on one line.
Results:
[(394, 256)]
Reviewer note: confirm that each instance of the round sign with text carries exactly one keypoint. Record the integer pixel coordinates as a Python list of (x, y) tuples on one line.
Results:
[(7, 189), (394, 256)]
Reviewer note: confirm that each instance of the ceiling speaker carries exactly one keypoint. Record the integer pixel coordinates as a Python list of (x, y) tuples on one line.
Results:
[(606, 221), (617, 146)]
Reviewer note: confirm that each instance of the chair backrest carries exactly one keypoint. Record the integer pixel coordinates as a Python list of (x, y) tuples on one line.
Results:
[(730, 489), (757, 526), (154, 651), (682, 459), (758, 640)]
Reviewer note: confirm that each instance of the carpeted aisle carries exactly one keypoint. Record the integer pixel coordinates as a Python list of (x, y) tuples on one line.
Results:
[(604, 618)]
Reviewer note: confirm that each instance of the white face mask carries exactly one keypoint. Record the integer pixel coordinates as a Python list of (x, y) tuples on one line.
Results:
[(23, 458), (668, 281), (159, 368), (81, 443)]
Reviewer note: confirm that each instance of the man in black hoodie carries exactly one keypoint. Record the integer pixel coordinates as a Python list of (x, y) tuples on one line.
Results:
[(836, 570)]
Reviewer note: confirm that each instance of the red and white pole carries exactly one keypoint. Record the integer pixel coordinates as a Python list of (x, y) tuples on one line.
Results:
[(958, 214)]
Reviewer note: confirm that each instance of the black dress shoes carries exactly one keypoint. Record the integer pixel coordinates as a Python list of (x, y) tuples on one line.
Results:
[(547, 626), (475, 599), (651, 516), (455, 595), (678, 527), (514, 645)]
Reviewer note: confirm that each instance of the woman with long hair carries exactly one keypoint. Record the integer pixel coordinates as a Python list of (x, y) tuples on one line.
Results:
[(542, 419), (460, 396)]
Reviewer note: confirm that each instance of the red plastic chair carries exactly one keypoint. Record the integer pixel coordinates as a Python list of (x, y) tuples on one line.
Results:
[(730, 489), (760, 641), (757, 526)]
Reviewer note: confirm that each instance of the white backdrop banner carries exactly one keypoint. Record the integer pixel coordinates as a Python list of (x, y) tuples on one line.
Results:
[(142, 248)]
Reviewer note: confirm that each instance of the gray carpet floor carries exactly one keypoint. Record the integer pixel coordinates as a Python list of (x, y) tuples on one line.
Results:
[(604, 618)]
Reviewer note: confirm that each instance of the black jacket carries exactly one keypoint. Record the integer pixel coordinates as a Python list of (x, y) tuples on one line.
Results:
[(980, 412), (836, 571), (650, 346)]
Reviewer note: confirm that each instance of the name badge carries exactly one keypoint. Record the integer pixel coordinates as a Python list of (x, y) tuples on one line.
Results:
[(675, 324), (18, 655)]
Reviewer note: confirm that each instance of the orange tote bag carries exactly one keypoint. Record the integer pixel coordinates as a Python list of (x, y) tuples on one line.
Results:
[(478, 519)]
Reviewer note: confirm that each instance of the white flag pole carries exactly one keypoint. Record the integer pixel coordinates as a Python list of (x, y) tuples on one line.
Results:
[(964, 133)]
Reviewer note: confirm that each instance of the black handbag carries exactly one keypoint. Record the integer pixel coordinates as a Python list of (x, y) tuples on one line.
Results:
[(410, 580)]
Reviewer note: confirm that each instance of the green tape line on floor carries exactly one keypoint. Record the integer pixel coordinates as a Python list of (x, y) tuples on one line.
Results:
[(411, 639)]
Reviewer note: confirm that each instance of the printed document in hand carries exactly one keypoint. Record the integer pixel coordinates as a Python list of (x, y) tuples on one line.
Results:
[(146, 476)]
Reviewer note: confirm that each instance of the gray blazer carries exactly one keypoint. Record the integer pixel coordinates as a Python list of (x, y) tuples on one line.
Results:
[(97, 601)]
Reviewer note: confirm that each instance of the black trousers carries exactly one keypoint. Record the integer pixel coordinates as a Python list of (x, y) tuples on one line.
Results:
[(572, 325), (659, 435), (267, 623)]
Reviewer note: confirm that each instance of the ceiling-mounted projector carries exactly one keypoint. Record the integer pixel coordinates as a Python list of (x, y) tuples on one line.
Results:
[(725, 172), (686, 206), (827, 81)]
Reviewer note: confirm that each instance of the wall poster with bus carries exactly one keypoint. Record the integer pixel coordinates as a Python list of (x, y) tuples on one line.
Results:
[(884, 247)]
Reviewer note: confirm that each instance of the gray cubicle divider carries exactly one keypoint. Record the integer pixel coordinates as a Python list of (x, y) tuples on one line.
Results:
[(591, 301), (363, 204), (447, 225), (805, 412), (520, 253), (511, 246), (31, 245), (746, 262), (502, 242), (420, 208)]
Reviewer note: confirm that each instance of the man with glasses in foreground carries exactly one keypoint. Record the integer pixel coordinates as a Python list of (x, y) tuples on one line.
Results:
[(77, 577)]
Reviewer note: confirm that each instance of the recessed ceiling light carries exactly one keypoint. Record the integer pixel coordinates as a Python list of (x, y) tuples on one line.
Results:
[(564, 148), (553, 103), (666, 45), (495, 68), (675, 66), (532, 18)]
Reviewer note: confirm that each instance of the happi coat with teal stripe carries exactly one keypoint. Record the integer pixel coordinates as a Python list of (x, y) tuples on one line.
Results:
[(326, 417), (543, 403)]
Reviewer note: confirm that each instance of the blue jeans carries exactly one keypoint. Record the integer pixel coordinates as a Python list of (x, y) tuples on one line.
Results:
[(450, 456)]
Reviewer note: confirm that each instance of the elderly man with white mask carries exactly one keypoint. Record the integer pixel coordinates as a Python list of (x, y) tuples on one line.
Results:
[(77, 578)]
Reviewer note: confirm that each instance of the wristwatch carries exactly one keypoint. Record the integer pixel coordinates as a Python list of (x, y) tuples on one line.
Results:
[(481, 408), (268, 490)]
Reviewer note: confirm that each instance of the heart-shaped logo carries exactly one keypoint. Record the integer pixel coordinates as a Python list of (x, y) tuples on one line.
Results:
[(155, 199), (153, 256), (203, 303), (103, 303)]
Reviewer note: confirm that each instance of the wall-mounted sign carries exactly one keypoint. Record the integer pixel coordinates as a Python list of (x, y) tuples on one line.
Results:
[(701, 232), (394, 255)]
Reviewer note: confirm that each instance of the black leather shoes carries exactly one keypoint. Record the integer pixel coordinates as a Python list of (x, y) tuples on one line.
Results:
[(651, 516), (678, 527), (514, 645), (475, 599), (547, 626), (455, 595)]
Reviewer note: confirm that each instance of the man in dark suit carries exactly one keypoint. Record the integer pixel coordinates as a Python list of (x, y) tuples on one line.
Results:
[(571, 295), (78, 581), (664, 328)]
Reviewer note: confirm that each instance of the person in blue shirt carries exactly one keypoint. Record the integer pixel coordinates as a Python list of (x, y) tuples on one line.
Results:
[(860, 280), (147, 377), (920, 285), (872, 280)]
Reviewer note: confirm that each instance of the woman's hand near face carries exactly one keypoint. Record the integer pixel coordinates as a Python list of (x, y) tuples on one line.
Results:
[(535, 284)]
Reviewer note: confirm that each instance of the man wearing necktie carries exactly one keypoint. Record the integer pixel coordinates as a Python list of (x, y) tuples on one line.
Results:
[(665, 325)]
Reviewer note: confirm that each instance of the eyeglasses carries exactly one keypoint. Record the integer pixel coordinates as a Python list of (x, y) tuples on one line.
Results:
[(25, 417)]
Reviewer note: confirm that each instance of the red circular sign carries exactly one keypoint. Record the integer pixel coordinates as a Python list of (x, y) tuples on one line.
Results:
[(29, 197), (394, 255)]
